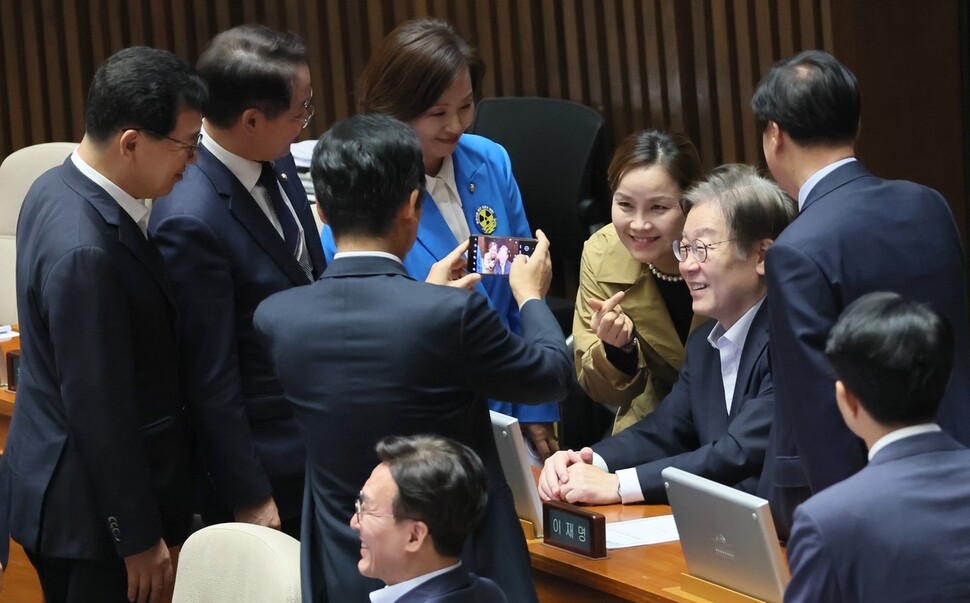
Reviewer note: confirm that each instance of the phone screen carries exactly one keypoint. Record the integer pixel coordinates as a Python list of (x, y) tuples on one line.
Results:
[(493, 256)]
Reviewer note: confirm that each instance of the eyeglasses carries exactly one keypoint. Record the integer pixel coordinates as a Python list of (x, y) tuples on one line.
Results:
[(308, 110), (697, 248), (359, 508), (190, 149)]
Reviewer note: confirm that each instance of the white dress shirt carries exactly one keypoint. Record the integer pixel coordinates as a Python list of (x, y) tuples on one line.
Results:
[(899, 434), (816, 177), (247, 172), (389, 594), (133, 207), (444, 193)]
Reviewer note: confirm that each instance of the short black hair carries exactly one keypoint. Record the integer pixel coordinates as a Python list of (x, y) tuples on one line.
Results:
[(895, 355), (250, 66), (812, 97), (440, 482), (364, 168), (141, 88)]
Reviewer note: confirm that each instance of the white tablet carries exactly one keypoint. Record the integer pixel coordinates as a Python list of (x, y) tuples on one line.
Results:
[(727, 535), (517, 468)]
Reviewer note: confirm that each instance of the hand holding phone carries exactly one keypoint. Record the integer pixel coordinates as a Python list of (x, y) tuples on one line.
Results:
[(493, 256)]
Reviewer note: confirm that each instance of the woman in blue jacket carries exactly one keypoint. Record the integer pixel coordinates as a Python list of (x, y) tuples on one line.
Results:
[(426, 75)]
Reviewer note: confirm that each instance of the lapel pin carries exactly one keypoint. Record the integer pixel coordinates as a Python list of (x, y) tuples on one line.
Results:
[(471, 187), (283, 177)]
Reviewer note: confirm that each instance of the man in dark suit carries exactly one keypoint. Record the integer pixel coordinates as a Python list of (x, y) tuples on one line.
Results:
[(367, 352), (414, 513), (235, 231), (97, 459), (715, 421), (854, 234), (899, 529)]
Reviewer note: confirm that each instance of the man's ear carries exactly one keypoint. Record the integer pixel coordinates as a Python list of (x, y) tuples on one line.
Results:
[(129, 141), (762, 251), (417, 536), (323, 217), (848, 403), (250, 119), (774, 137)]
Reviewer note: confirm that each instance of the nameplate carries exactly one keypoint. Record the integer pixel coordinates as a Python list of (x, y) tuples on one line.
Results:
[(574, 529)]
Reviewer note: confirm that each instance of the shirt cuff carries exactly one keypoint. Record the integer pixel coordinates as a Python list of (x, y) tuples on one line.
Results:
[(599, 463), (630, 491), (522, 305)]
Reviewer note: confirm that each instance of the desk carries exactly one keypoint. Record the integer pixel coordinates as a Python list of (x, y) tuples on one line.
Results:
[(6, 397), (634, 574)]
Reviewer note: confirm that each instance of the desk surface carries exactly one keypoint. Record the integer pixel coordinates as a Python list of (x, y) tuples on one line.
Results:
[(633, 574)]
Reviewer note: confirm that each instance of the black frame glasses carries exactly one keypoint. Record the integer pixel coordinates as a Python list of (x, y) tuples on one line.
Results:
[(697, 248), (190, 149)]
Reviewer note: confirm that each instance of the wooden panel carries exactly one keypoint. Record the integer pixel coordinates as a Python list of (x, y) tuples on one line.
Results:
[(689, 66)]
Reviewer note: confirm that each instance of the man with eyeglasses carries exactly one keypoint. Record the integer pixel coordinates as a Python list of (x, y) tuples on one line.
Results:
[(715, 420), (97, 472), (238, 229), (413, 515)]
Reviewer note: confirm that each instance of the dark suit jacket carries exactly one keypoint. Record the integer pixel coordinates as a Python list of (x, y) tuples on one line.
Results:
[(899, 530), (691, 429), (225, 257), (97, 459), (456, 586), (367, 352), (855, 234)]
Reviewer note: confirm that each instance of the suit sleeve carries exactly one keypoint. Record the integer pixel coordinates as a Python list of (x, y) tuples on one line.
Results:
[(803, 305), (813, 576), (668, 437), (202, 274), (85, 304), (503, 365), (598, 376), (518, 227)]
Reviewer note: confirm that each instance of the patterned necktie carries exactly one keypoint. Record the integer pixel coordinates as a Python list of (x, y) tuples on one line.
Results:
[(291, 232)]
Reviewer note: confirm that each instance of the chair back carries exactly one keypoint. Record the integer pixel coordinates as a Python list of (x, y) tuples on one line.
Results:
[(558, 152), (17, 173), (238, 563)]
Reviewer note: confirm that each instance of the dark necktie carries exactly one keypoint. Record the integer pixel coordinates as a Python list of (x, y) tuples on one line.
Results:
[(291, 232)]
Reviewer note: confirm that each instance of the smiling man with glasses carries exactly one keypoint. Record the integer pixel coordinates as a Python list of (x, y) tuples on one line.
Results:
[(715, 421), (414, 514), (237, 230)]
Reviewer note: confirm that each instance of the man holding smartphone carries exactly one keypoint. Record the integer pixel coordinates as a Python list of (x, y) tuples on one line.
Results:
[(367, 352)]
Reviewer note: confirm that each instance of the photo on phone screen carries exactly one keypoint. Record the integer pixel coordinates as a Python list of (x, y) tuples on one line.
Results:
[(493, 256)]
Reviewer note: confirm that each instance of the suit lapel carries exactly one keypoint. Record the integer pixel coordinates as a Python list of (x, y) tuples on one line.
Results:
[(754, 345), (129, 235), (248, 213), (839, 177), (297, 196), (433, 232)]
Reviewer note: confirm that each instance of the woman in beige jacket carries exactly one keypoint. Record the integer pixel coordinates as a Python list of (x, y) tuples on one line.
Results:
[(633, 310)]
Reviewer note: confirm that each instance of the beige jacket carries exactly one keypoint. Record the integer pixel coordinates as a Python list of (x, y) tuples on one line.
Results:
[(607, 268)]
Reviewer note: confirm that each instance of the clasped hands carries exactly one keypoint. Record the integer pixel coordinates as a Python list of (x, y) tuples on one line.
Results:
[(570, 476)]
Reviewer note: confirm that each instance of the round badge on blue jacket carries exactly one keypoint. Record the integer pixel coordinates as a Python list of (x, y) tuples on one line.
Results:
[(485, 219)]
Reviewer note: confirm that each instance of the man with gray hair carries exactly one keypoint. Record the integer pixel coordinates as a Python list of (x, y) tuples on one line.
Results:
[(715, 421)]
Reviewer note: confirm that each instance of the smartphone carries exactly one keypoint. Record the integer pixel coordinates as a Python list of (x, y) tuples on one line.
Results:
[(493, 256)]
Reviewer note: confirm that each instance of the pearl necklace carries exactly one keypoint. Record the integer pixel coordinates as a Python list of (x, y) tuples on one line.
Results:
[(670, 278)]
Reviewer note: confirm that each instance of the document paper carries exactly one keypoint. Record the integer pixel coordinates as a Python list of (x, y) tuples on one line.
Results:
[(640, 532)]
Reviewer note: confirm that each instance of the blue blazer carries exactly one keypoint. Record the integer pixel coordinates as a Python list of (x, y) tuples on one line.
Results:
[(483, 174), (381, 354), (855, 234), (97, 459), (898, 530), (691, 429), (457, 586), (225, 257)]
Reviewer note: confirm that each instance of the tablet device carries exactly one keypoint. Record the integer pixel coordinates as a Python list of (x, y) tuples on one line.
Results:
[(727, 535), (517, 468)]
